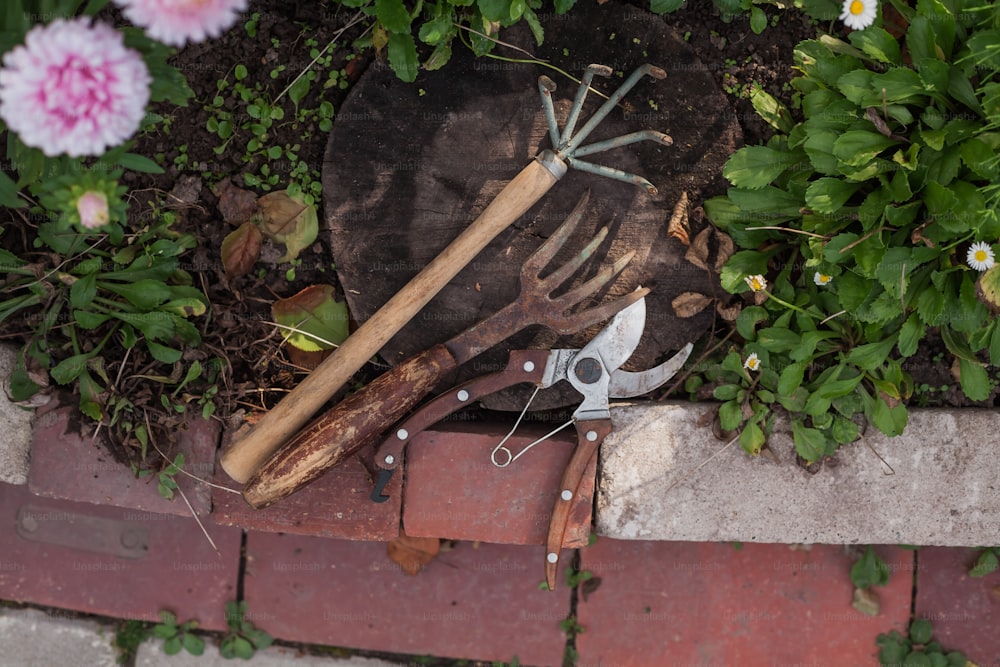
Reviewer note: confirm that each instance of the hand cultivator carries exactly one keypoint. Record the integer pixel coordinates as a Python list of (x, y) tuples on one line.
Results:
[(363, 416)]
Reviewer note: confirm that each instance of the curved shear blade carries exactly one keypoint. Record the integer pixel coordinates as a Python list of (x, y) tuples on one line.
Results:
[(615, 343), (625, 384)]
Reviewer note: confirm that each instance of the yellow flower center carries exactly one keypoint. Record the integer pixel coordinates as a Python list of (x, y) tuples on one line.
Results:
[(753, 363), (755, 284), (981, 255), (857, 7), (824, 279)]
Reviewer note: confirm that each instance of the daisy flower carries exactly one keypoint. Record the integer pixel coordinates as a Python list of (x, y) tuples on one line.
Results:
[(822, 279), (756, 283), (859, 14), (177, 22), (73, 88), (980, 256), (752, 363), (93, 209)]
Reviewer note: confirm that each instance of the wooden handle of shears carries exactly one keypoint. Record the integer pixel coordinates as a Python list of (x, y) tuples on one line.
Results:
[(348, 427), (280, 423), (590, 435)]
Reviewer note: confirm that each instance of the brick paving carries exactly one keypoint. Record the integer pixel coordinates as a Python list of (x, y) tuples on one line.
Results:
[(70, 545)]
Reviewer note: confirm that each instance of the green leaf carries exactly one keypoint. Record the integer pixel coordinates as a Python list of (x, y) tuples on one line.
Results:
[(870, 570), (394, 16), (298, 91), (242, 648), (534, 24), (758, 19), (752, 438), (730, 415), (662, 6), (725, 392), (974, 379), (321, 320), (194, 644), (778, 339), (742, 264), (563, 6), (858, 147), (403, 56), (791, 378), (172, 645), (162, 353), (910, 335), (891, 421), (986, 564), (139, 163), (70, 368), (83, 291), (877, 44), (828, 195), (754, 167), (146, 294), (921, 631), (871, 355), (8, 193), (809, 442), (747, 320), (844, 430), (154, 326)]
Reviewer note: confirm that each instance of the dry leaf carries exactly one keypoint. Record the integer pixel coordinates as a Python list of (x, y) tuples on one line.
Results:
[(689, 304), (413, 553), (289, 221), (241, 249), (678, 225), (728, 313), (726, 249), (235, 204), (866, 601), (307, 359), (871, 114), (917, 236), (697, 254)]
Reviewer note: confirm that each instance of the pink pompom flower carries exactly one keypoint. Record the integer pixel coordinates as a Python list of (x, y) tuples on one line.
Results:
[(73, 88), (176, 22), (92, 207)]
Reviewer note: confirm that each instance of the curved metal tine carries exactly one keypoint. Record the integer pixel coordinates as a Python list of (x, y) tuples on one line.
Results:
[(612, 102), (624, 140), (546, 87), (576, 294), (560, 275), (581, 95), (513, 457), (539, 259), (582, 320), (616, 174)]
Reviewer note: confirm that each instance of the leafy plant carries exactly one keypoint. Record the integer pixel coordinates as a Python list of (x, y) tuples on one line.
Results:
[(129, 635), (869, 570), (986, 563), (861, 217), (244, 638), (916, 648), (165, 482), (821, 10), (178, 636)]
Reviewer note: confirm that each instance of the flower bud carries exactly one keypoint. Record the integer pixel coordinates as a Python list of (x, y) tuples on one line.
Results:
[(93, 209)]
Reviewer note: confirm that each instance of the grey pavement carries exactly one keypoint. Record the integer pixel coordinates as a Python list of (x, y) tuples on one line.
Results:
[(15, 425), (664, 476), (151, 655), (33, 638)]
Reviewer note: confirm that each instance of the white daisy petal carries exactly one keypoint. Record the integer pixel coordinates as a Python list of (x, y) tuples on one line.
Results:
[(980, 256), (859, 14)]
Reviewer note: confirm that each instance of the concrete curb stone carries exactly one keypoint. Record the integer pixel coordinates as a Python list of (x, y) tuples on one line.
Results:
[(151, 654), (934, 485), (15, 424), (33, 638)]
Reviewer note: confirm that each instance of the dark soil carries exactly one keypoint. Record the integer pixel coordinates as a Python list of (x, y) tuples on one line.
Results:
[(259, 370)]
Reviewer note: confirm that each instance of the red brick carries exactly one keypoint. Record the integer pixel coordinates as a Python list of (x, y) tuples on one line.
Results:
[(453, 490), (335, 505), (179, 571), (961, 608), (68, 465), (476, 603), (682, 603)]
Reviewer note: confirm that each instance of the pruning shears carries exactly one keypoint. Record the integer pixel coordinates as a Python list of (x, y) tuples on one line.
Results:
[(594, 371)]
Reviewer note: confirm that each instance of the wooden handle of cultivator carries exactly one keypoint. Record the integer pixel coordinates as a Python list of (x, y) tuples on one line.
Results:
[(348, 427), (276, 426)]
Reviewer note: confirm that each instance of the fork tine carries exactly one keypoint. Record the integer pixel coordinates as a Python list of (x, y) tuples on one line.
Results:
[(582, 320), (541, 257), (576, 294), (559, 276)]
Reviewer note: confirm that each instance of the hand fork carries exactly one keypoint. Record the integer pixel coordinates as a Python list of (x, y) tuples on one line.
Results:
[(366, 414), (275, 427)]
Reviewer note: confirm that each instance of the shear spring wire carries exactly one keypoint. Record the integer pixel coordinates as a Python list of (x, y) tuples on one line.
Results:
[(513, 457)]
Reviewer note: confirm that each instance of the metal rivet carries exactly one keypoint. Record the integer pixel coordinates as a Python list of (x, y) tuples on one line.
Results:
[(463, 395), (131, 539), (29, 523), (552, 558), (588, 370), (402, 434), (591, 435), (566, 494), (390, 459), (529, 366)]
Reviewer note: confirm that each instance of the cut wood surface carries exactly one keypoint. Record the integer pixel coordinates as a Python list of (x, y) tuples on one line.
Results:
[(409, 166)]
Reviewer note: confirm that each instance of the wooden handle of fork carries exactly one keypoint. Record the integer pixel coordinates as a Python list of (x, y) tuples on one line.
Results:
[(279, 424)]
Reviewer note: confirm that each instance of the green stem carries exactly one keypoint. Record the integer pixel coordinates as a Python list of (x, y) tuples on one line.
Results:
[(788, 305)]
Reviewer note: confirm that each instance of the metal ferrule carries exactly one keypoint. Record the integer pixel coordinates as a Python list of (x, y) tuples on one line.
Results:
[(556, 166)]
